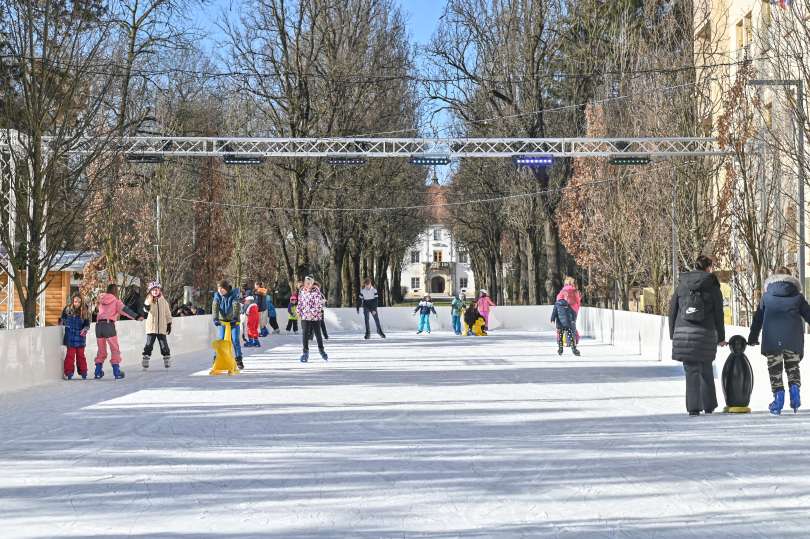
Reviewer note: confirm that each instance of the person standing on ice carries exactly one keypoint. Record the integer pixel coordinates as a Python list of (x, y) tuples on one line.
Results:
[(225, 308), (253, 323), (457, 307), (110, 308), (425, 308), (310, 310), (484, 305), (696, 328), (780, 316), (75, 319), (566, 319), (369, 301), (158, 325), (572, 296)]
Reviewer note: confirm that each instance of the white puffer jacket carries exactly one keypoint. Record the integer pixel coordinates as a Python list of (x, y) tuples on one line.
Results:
[(160, 315)]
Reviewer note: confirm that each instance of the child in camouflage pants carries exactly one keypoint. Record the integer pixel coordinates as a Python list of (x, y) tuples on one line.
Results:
[(790, 361)]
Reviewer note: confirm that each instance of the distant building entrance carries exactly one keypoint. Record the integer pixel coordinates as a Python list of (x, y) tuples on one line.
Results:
[(437, 285)]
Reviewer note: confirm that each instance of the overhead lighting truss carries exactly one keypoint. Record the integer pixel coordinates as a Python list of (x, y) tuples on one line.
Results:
[(452, 148)]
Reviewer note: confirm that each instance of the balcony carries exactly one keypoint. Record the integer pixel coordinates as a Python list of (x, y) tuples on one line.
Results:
[(438, 266)]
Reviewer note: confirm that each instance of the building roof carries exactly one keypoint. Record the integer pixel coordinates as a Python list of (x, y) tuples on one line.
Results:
[(436, 194), (67, 260)]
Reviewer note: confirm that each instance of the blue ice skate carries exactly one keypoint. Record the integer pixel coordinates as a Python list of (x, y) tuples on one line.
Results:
[(99, 374), (304, 357), (795, 398), (324, 356), (778, 402), (117, 372)]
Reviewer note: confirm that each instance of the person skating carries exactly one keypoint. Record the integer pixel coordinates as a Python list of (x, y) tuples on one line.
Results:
[(110, 308), (75, 319), (485, 305), (369, 301), (696, 328), (260, 297), (573, 296), (253, 317), (225, 308), (310, 309), (158, 325), (292, 313), (566, 319), (457, 307), (272, 316), (780, 316), (474, 322), (425, 308)]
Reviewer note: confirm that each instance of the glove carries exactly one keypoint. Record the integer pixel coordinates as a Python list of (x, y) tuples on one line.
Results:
[(753, 342), (217, 322), (235, 322), (83, 333), (169, 329)]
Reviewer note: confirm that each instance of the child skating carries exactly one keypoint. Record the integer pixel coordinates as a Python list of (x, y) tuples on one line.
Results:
[(457, 307), (110, 308), (225, 308), (76, 321), (566, 320), (158, 325), (474, 322), (292, 314), (253, 317), (425, 308), (369, 300), (272, 316), (485, 305), (310, 308)]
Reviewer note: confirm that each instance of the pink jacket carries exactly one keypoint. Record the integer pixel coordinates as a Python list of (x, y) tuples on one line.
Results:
[(572, 296), (310, 304), (484, 304), (110, 307)]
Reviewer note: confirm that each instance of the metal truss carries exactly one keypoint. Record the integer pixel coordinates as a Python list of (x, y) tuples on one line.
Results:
[(404, 147)]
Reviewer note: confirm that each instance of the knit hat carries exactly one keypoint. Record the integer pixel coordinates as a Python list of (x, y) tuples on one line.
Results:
[(484, 291), (294, 298), (153, 285)]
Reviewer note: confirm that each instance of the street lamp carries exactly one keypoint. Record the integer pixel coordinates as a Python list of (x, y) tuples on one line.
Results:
[(799, 84)]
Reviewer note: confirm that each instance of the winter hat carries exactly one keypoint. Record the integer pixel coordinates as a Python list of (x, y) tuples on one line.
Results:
[(249, 299), (294, 298), (484, 291), (153, 285)]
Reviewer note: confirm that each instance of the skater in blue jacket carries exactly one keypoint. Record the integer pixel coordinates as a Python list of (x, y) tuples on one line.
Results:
[(566, 320), (425, 308)]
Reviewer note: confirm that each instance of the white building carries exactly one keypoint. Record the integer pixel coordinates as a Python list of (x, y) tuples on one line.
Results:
[(436, 265)]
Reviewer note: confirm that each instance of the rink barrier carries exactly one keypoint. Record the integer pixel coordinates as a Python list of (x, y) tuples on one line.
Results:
[(33, 356)]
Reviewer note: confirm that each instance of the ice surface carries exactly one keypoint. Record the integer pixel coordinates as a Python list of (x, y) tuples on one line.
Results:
[(430, 436)]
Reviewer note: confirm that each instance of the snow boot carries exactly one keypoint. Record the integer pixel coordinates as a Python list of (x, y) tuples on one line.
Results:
[(304, 357), (239, 364), (324, 356), (256, 343), (117, 372), (694, 414), (145, 362), (84, 376), (67, 376), (167, 361), (99, 371), (778, 402), (264, 332), (795, 398)]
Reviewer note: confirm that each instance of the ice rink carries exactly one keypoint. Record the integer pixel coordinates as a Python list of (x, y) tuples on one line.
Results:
[(430, 436)]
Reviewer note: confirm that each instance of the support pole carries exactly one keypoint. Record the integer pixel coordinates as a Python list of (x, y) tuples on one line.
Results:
[(158, 261), (802, 180)]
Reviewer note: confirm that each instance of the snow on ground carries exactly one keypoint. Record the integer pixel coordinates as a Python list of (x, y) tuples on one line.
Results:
[(432, 436)]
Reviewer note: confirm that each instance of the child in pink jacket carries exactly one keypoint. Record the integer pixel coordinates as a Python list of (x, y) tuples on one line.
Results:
[(109, 310), (572, 296), (484, 304)]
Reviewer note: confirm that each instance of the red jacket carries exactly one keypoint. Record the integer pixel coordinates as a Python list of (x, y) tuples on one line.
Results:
[(252, 321)]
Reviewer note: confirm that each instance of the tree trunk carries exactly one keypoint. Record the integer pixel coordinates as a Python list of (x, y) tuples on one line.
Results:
[(552, 240), (336, 257), (531, 268), (348, 299)]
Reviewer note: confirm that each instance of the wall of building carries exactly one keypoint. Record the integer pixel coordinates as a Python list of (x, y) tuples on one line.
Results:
[(449, 269)]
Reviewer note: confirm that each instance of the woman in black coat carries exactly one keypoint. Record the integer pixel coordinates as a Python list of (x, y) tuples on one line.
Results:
[(697, 327)]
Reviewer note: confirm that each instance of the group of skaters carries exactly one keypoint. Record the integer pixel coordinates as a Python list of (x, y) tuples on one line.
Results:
[(697, 328), (76, 317)]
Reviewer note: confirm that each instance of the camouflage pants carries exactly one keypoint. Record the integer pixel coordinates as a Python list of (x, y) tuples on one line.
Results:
[(790, 360)]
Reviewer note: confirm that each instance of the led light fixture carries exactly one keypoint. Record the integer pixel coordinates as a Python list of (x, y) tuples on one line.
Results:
[(153, 158), (629, 160), (533, 160), (236, 159), (347, 160), (430, 159)]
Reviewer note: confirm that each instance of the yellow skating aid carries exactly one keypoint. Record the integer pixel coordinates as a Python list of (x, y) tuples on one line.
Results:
[(225, 362), (478, 328), (737, 410)]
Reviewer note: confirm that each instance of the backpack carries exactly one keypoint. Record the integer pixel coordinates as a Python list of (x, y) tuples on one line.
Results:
[(694, 308)]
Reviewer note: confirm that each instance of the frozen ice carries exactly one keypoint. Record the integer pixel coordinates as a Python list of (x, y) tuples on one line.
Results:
[(411, 436)]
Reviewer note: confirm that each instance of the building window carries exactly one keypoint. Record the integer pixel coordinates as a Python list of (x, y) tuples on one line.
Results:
[(739, 35), (437, 234), (437, 256), (766, 13), (748, 24), (463, 282), (462, 257), (415, 283), (414, 257)]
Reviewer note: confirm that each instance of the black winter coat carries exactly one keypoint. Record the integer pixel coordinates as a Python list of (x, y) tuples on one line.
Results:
[(780, 315), (564, 315), (696, 342)]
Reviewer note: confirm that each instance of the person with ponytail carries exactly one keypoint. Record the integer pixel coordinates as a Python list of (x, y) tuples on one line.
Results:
[(697, 327)]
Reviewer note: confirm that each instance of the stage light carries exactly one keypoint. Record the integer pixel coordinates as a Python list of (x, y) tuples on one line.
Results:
[(236, 159), (533, 160), (430, 159), (624, 160), (151, 158), (346, 160)]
